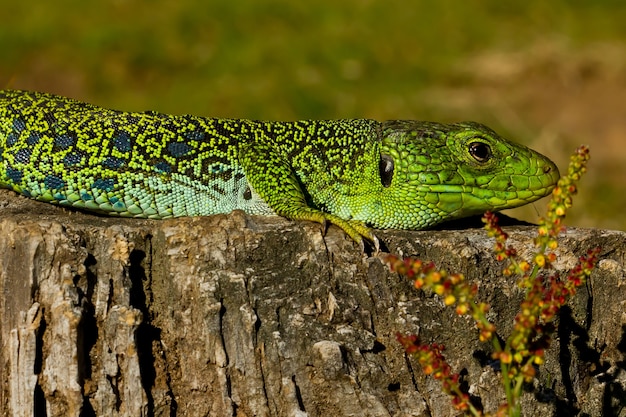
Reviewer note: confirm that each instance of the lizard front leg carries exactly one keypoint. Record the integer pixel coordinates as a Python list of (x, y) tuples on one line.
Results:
[(272, 177)]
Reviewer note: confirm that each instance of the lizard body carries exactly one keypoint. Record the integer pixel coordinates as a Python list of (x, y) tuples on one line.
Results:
[(353, 173)]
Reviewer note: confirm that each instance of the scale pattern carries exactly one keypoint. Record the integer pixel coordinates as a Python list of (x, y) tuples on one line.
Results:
[(158, 166)]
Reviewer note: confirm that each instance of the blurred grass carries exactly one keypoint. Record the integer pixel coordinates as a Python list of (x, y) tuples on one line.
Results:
[(278, 59)]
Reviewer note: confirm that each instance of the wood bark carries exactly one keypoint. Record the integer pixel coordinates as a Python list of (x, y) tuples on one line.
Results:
[(232, 315)]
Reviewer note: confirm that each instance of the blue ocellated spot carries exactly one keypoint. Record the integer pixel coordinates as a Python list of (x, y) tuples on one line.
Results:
[(195, 135), (33, 138), (23, 156), (178, 148), (12, 139), (104, 185), (53, 182), (85, 196), (113, 200), (119, 206), (217, 169), (60, 197), (112, 162), (72, 159), (63, 141), (14, 175), (18, 125), (122, 142), (163, 167)]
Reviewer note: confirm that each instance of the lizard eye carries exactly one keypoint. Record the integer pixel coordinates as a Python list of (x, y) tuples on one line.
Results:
[(385, 166), (480, 151)]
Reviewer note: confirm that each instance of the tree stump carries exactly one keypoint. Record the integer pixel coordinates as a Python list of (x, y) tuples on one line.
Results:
[(233, 315)]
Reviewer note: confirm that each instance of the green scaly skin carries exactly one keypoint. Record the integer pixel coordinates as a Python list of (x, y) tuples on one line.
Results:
[(353, 173)]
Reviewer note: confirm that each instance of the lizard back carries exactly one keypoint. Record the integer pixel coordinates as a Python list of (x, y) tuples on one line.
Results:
[(147, 164)]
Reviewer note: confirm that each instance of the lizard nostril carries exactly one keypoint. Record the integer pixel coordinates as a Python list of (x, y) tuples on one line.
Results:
[(547, 169)]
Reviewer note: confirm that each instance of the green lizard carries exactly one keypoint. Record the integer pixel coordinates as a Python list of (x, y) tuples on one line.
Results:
[(356, 174)]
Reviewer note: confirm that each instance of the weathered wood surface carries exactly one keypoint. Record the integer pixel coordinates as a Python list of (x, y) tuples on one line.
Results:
[(233, 315)]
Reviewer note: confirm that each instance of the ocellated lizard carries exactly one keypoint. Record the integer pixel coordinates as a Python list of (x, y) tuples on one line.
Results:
[(356, 174)]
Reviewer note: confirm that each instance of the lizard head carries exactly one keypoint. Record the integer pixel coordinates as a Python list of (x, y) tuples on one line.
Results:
[(433, 172)]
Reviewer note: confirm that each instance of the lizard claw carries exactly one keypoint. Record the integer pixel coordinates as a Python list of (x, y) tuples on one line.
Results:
[(376, 243), (357, 230), (324, 224)]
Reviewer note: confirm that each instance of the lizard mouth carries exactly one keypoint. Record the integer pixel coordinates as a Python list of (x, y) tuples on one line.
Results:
[(500, 192), (480, 199)]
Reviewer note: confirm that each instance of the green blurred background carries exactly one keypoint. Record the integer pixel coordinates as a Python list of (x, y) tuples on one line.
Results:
[(550, 74)]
